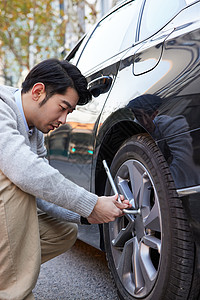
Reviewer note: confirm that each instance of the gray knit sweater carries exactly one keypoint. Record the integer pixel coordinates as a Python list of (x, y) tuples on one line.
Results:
[(22, 161)]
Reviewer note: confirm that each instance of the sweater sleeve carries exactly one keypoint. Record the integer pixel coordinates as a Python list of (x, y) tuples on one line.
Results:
[(31, 174), (58, 212)]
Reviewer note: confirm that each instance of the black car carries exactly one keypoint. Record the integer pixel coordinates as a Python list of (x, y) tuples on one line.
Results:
[(142, 63)]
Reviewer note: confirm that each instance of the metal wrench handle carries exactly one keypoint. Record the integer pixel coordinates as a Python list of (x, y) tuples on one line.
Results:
[(111, 180), (126, 211)]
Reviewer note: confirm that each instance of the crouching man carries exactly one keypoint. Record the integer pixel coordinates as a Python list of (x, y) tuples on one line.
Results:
[(49, 93)]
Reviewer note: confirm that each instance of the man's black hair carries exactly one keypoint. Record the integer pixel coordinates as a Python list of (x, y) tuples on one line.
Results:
[(57, 76)]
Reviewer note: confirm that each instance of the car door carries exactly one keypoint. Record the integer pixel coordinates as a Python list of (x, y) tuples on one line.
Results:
[(98, 58)]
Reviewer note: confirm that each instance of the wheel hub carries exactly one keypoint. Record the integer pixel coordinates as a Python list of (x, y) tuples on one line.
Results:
[(136, 238)]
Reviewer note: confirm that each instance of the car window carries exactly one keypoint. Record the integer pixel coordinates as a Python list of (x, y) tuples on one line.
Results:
[(156, 14), (110, 36)]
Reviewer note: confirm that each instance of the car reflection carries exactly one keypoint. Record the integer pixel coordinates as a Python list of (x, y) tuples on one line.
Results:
[(80, 147), (71, 142), (58, 142), (172, 135)]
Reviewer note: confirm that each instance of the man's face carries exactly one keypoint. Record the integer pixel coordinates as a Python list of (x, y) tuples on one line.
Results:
[(54, 112), (145, 119)]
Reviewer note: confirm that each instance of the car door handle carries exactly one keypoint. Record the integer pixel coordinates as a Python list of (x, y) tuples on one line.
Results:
[(100, 85)]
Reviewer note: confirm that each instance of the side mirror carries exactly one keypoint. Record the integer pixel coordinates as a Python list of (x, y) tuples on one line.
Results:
[(100, 85)]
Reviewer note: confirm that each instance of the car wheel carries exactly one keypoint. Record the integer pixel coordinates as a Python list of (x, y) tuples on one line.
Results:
[(150, 253)]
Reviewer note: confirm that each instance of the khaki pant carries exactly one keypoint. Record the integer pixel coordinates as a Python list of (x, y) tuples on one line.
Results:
[(27, 239)]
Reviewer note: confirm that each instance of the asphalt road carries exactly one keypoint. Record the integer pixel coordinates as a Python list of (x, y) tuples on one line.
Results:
[(79, 274)]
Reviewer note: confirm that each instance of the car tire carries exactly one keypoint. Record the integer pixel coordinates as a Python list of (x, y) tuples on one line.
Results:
[(151, 254)]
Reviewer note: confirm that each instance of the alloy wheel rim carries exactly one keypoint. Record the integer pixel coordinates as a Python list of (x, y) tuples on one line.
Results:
[(136, 239)]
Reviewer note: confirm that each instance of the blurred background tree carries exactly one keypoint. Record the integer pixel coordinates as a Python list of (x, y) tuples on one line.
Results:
[(33, 30), (29, 32)]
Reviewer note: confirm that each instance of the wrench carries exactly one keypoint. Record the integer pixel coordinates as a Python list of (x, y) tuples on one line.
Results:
[(126, 211)]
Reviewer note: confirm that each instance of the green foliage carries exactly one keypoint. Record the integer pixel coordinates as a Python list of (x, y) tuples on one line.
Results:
[(34, 30), (30, 31)]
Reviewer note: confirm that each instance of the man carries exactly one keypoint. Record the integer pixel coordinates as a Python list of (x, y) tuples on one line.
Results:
[(49, 93)]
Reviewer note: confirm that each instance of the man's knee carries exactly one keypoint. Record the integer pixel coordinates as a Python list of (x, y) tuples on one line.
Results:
[(56, 236), (72, 233), (68, 238)]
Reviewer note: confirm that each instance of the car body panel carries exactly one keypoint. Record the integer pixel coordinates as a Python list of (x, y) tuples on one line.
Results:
[(148, 66)]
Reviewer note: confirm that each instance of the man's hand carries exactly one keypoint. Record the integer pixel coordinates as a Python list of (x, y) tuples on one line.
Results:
[(107, 209)]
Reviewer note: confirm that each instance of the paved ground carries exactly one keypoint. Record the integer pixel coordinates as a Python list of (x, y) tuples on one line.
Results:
[(79, 274)]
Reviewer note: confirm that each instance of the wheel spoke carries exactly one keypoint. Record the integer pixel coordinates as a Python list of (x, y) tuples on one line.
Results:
[(124, 235), (135, 178), (152, 242), (144, 191), (153, 220), (124, 267), (138, 278), (147, 268), (135, 267)]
